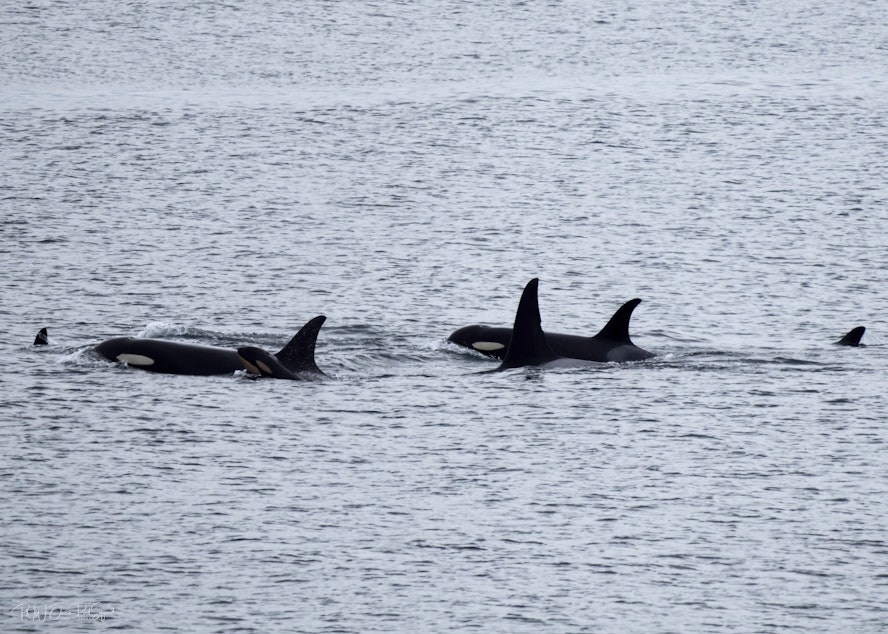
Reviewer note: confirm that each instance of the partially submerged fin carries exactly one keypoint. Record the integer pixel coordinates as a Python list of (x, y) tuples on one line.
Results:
[(42, 338), (852, 338), (298, 356), (528, 345), (617, 329)]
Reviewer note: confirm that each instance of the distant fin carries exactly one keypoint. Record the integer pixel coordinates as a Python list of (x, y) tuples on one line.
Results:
[(617, 329), (528, 345), (42, 338), (298, 356), (852, 338)]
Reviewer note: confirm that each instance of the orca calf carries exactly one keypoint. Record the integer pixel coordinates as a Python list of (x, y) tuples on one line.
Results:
[(852, 338), (612, 343), (295, 361)]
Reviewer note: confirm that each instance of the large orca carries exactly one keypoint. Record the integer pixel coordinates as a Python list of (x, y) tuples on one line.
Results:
[(612, 343), (295, 361), (852, 338), (528, 344)]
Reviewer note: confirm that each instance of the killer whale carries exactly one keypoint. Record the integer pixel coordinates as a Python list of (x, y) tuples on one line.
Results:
[(852, 338), (294, 361), (612, 343), (528, 345)]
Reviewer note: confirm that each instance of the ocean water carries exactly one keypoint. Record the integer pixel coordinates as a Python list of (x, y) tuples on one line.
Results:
[(221, 173)]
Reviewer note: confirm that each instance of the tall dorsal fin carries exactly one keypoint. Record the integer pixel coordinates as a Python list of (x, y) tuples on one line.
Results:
[(528, 345), (852, 338), (299, 355), (617, 329), (42, 338)]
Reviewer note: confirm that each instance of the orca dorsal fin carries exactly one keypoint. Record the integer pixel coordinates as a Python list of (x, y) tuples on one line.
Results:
[(617, 329), (42, 338), (852, 338), (528, 345), (298, 355)]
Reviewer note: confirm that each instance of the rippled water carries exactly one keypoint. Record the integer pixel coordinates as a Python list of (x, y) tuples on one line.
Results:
[(223, 173)]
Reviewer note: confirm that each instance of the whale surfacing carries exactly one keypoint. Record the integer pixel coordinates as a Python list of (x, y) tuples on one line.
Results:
[(295, 360), (528, 344), (852, 338), (611, 344)]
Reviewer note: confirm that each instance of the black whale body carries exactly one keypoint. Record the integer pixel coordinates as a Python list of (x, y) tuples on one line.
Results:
[(294, 361), (170, 357), (612, 343)]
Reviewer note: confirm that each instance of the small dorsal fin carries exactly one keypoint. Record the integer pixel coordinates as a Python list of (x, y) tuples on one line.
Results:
[(299, 354), (852, 338), (528, 345), (617, 329), (42, 338)]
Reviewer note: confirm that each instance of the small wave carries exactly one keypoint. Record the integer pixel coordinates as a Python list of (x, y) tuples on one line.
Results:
[(791, 361), (157, 329), (84, 357), (167, 330)]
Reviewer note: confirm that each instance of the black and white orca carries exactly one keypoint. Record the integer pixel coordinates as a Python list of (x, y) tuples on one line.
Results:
[(853, 337), (612, 343), (295, 361)]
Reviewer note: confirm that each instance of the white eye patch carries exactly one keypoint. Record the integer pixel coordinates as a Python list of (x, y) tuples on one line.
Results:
[(487, 346), (135, 359)]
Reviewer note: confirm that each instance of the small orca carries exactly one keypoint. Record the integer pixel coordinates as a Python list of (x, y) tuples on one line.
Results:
[(174, 357), (612, 343), (852, 338), (42, 338), (296, 361)]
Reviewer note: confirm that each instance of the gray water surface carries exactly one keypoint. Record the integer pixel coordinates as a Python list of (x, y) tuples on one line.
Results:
[(222, 173)]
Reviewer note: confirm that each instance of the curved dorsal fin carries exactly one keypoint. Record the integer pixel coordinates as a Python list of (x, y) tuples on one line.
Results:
[(617, 329), (528, 345), (852, 338), (299, 354)]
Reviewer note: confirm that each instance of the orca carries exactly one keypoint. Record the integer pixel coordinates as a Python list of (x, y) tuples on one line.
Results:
[(42, 338), (528, 345), (296, 361), (852, 338), (173, 357), (612, 343)]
